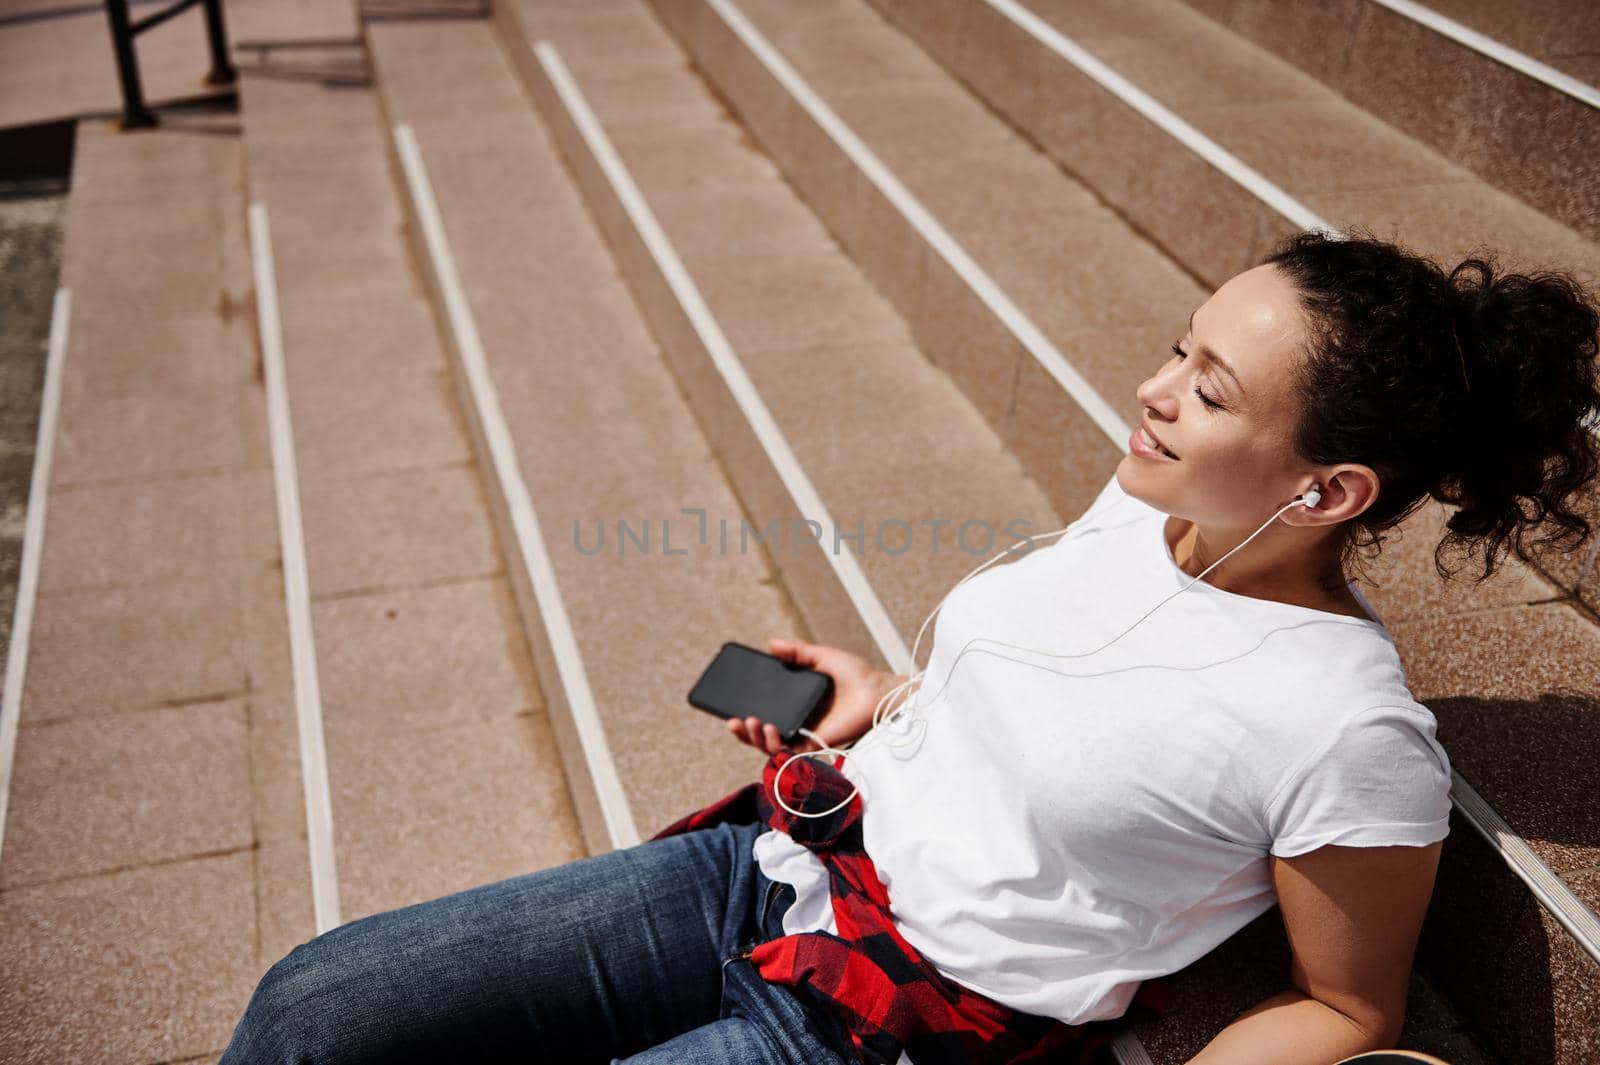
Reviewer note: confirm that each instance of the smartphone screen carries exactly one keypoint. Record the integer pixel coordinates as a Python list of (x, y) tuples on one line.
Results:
[(742, 681)]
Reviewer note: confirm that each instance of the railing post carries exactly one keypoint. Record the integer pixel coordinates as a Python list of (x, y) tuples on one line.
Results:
[(124, 30), (222, 71), (135, 115)]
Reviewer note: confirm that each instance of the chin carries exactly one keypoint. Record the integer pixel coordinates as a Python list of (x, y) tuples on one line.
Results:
[(1130, 485)]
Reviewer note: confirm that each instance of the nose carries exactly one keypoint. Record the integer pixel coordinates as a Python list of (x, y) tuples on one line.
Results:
[(1158, 392)]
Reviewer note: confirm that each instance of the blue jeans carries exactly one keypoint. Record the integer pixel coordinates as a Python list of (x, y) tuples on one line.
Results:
[(629, 955)]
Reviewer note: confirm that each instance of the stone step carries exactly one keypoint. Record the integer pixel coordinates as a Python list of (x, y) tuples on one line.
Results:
[(1294, 133), (764, 285), (157, 821), (1561, 33), (57, 63), (440, 753), (1516, 130), (1023, 223), (601, 438), (135, 880)]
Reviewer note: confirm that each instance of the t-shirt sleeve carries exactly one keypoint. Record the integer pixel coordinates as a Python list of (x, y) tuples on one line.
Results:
[(1382, 779)]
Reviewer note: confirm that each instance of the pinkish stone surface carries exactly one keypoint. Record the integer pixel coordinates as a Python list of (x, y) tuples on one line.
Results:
[(61, 67), (278, 803), (761, 217), (94, 794), (101, 650), (421, 813), (391, 529), (284, 914), (421, 657), (121, 436), (147, 964), (142, 532), (348, 427), (1519, 725), (1307, 146), (772, 302)]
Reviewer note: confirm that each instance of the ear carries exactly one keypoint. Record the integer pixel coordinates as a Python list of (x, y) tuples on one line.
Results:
[(1346, 492)]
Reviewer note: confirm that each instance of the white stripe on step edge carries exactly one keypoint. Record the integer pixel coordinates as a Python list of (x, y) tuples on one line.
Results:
[(614, 808), (809, 504), (296, 587), (938, 238), (1521, 62)]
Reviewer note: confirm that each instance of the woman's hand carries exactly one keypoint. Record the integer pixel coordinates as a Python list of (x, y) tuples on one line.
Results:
[(857, 689)]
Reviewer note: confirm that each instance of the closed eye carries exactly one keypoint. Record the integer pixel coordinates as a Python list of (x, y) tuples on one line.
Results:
[(1207, 400)]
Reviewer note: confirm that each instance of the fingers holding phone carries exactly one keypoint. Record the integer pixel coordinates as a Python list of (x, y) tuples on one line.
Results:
[(841, 719), (763, 736), (743, 684)]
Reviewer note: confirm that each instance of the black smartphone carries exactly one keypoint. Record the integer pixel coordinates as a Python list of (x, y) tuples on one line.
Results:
[(742, 681)]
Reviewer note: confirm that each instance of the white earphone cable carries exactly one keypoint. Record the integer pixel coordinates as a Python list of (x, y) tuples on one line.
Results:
[(880, 718)]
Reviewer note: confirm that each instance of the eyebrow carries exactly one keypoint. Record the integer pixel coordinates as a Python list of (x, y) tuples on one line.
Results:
[(1218, 359)]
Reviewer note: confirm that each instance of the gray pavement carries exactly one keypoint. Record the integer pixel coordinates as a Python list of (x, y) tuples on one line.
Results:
[(31, 214)]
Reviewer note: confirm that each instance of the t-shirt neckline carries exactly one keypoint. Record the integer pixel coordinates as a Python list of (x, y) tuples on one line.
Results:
[(1211, 589)]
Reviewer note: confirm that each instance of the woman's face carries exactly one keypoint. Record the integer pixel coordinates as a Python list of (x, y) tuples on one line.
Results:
[(1235, 465)]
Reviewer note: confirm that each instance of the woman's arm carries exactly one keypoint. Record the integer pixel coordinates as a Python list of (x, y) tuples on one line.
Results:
[(1290, 1028), (1353, 916)]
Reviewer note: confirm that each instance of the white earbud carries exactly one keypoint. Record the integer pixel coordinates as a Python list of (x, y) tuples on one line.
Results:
[(1313, 497)]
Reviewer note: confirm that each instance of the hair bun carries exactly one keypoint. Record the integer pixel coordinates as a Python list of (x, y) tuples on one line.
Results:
[(1510, 448), (1463, 314)]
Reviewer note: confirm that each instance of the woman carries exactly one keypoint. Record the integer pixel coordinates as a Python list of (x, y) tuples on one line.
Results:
[(1096, 794)]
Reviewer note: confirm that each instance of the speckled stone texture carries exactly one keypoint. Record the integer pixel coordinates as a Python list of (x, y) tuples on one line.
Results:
[(146, 964), (601, 434), (1249, 967), (1516, 133), (157, 838), (94, 794), (1503, 961), (440, 762), (1008, 206), (410, 527), (1525, 706), (128, 887)]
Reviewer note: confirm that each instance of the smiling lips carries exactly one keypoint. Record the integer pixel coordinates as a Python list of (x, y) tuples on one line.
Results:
[(1150, 443)]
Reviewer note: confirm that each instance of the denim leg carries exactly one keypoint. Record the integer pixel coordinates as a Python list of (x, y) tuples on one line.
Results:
[(583, 962), (761, 1023)]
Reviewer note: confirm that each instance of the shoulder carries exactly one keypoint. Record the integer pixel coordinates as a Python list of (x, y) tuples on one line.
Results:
[(1378, 776), (1383, 729)]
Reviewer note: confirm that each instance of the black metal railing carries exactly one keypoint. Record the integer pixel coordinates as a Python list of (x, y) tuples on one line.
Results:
[(135, 113)]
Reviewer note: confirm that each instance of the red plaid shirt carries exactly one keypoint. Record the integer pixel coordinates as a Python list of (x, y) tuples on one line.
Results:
[(889, 997)]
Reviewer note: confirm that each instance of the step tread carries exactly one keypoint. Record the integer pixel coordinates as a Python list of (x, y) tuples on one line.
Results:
[(803, 308), (374, 435), (1297, 131), (600, 430), (130, 796)]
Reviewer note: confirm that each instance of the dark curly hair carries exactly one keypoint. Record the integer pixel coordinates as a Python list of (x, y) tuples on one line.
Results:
[(1473, 386)]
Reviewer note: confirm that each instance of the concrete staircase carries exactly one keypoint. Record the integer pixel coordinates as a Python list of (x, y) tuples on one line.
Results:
[(423, 433)]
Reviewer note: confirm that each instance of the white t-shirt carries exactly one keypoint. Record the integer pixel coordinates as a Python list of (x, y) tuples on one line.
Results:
[(1051, 841)]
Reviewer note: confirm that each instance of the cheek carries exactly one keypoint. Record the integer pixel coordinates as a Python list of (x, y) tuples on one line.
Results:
[(1238, 461)]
